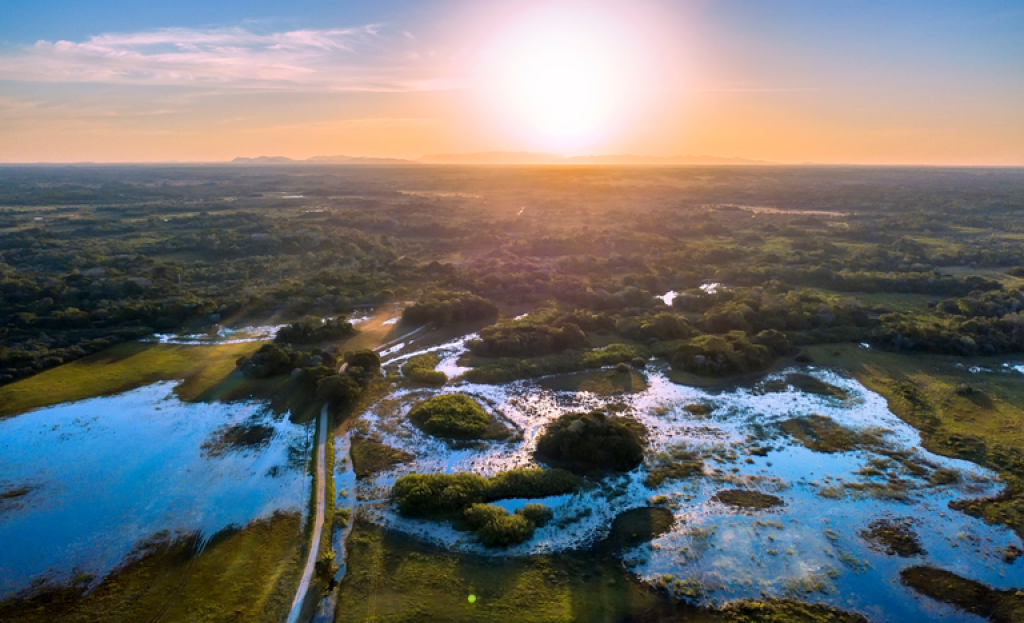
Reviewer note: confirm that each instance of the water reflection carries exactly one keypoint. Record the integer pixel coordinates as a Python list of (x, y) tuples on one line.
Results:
[(104, 474), (812, 547)]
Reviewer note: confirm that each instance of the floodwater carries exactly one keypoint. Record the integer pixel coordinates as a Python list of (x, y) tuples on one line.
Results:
[(222, 335), (812, 547), (104, 474)]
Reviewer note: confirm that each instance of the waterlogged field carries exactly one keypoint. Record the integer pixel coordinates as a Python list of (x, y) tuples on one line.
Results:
[(802, 485), (85, 484)]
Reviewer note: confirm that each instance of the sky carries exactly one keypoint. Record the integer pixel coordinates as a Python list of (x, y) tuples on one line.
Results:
[(932, 82)]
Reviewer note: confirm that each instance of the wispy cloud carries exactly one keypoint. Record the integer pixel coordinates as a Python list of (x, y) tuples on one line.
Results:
[(356, 59)]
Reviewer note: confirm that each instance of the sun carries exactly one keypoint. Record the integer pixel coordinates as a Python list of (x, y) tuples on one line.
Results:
[(564, 78)]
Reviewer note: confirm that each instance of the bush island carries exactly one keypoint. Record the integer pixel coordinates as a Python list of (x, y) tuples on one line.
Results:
[(496, 528), (420, 495), (421, 370), (527, 482), (455, 416), (593, 441)]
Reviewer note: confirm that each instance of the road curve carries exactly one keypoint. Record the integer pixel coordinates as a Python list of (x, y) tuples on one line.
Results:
[(318, 521)]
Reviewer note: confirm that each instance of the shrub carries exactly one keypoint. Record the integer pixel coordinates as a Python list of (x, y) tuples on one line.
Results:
[(455, 416), (478, 515), (419, 495), (505, 531), (444, 308), (496, 528), (363, 364), (528, 482), (337, 388), (588, 441), (312, 329), (538, 514), (421, 370)]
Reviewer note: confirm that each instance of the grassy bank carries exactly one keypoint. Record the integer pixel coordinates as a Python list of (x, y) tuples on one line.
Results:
[(246, 574), (978, 417), (124, 367), (394, 578)]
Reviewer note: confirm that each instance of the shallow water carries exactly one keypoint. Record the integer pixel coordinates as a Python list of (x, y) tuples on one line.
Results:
[(106, 473), (222, 335), (809, 548)]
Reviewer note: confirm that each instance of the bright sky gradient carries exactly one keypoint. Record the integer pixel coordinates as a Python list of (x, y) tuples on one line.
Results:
[(836, 81)]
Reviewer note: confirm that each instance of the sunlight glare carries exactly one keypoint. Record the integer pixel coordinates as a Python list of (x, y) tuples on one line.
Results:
[(564, 77)]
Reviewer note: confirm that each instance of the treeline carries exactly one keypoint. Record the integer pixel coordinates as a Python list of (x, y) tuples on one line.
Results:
[(316, 371), (444, 308), (311, 330)]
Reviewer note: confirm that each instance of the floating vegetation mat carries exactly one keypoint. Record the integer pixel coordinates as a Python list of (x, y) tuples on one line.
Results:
[(798, 486)]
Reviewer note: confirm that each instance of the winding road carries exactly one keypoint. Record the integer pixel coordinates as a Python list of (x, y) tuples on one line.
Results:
[(318, 521)]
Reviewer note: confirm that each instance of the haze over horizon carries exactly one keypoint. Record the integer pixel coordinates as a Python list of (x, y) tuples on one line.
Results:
[(794, 81)]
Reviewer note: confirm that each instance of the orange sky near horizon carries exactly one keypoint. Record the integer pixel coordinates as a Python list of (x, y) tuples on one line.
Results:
[(790, 83)]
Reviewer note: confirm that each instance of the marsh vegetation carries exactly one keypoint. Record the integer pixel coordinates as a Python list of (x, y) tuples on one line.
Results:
[(759, 370)]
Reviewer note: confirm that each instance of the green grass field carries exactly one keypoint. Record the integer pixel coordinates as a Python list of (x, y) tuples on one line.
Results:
[(246, 574), (126, 367)]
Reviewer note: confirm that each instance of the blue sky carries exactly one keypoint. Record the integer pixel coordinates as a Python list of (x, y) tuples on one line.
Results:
[(787, 80)]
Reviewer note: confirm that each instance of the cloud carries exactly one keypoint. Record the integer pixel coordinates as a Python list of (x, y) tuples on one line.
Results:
[(349, 59)]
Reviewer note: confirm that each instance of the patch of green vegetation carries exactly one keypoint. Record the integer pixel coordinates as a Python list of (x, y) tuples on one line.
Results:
[(246, 574), (511, 369), (455, 416), (620, 380), (392, 578), (441, 495), (786, 611), (747, 499), (444, 308), (677, 463), (970, 596), (821, 434), (895, 537), (495, 527), (125, 367), (539, 514), (585, 442), (370, 457), (314, 330), (420, 369), (638, 526)]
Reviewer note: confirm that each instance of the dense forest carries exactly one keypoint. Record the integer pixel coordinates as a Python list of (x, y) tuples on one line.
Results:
[(763, 260)]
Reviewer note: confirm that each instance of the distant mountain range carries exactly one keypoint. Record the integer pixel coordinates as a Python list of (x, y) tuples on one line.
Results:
[(271, 160), (506, 157)]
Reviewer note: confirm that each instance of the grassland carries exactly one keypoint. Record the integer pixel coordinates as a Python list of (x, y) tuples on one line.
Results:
[(392, 578), (124, 367), (243, 574)]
